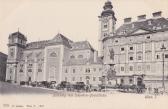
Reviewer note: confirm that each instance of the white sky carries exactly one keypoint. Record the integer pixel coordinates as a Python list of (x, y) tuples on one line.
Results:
[(76, 19)]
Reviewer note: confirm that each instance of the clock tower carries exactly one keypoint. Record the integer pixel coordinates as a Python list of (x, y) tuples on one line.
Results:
[(107, 21), (16, 45)]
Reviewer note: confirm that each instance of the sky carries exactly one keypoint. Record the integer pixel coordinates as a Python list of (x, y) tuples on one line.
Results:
[(75, 19)]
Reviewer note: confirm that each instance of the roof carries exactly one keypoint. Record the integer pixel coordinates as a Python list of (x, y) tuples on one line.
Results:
[(108, 10), (151, 25), (37, 45), (81, 45), (3, 55), (73, 62), (18, 34), (58, 39)]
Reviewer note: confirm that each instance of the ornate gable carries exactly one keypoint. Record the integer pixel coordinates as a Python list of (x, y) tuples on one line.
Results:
[(139, 31)]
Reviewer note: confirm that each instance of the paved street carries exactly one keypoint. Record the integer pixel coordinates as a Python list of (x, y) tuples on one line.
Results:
[(7, 88), (73, 100)]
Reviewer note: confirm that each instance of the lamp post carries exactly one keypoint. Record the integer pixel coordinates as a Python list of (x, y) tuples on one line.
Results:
[(163, 48)]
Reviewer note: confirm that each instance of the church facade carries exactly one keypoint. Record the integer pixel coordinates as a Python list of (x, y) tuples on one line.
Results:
[(133, 51), (58, 59)]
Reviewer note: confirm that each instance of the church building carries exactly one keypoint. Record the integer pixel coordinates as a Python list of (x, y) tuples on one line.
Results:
[(137, 51)]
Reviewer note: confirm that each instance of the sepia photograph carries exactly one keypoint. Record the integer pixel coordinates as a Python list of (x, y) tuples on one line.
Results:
[(83, 54)]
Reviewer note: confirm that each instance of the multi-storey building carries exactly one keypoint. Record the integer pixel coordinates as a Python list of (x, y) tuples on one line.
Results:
[(58, 59), (134, 49), (3, 59)]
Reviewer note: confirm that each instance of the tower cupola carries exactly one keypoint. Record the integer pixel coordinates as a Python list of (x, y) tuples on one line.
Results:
[(108, 10)]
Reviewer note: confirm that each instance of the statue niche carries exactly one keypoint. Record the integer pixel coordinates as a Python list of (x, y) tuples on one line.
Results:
[(111, 52)]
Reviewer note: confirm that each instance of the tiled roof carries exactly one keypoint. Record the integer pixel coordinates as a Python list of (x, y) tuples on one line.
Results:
[(58, 39), (18, 34), (37, 45), (151, 25), (81, 45), (3, 55)]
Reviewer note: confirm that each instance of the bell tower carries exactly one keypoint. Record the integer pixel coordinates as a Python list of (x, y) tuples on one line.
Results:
[(16, 45), (107, 21)]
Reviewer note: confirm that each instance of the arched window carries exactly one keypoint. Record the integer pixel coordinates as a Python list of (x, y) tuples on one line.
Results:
[(80, 56), (130, 81), (87, 77), (53, 54), (29, 70), (72, 56), (122, 81)]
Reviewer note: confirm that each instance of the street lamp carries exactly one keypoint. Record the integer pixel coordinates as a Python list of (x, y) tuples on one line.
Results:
[(163, 48)]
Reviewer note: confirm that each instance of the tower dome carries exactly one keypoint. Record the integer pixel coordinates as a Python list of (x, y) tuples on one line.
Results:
[(108, 10), (107, 5)]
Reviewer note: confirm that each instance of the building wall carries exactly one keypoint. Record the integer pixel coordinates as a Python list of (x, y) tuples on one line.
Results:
[(3, 59), (138, 54), (54, 62), (86, 54), (32, 65), (89, 74)]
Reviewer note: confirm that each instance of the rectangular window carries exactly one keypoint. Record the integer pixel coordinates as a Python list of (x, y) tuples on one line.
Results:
[(94, 69), (148, 56), (166, 55), (131, 58), (30, 65), (148, 67), (130, 81), (80, 78), (66, 71), (66, 79), (157, 56), (21, 70), (29, 70), (39, 70), (105, 26), (147, 46), (122, 49), (94, 78), (80, 56), (122, 68), (73, 70), (72, 57), (105, 34), (139, 47), (11, 52), (11, 71), (131, 68), (139, 57), (73, 79), (139, 68), (87, 70), (100, 78), (131, 48)]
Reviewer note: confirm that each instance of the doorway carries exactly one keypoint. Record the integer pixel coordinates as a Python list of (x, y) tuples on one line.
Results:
[(139, 81)]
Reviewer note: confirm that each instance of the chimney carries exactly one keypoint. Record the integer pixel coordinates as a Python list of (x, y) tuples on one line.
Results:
[(157, 14), (127, 20), (95, 56), (142, 17)]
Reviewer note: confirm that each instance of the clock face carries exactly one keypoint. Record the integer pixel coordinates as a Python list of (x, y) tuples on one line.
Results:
[(105, 20), (12, 52)]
